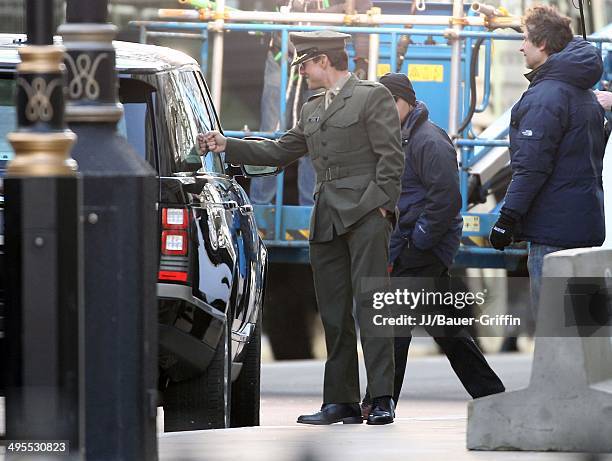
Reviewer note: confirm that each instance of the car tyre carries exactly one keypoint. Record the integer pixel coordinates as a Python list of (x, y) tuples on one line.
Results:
[(202, 402), (246, 389)]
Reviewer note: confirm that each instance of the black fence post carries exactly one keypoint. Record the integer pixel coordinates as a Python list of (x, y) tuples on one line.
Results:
[(43, 251), (120, 248)]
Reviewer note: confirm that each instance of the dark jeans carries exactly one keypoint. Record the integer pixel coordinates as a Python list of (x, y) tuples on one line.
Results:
[(535, 263), (464, 356)]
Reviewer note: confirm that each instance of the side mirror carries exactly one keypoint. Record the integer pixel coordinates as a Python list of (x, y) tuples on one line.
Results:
[(252, 171)]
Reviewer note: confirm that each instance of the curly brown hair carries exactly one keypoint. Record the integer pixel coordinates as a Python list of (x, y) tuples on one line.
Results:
[(545, 25)]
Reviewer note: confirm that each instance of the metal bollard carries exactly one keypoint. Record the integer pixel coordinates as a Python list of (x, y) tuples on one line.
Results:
[(120, 248), (43, 251)]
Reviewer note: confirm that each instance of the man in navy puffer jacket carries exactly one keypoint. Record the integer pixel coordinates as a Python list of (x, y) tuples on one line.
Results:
[(426, 239), (557, 144)]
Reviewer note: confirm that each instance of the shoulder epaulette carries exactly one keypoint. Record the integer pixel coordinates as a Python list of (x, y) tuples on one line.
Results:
[(316, 96), (367, 83)]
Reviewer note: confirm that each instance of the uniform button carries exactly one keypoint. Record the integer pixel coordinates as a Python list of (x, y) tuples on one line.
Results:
[(324, 157), (323, 127), (324, 143)]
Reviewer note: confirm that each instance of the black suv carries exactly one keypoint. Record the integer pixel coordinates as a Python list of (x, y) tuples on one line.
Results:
[(212, 261)]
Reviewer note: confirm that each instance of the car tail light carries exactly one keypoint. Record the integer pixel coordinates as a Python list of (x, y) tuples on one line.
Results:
[(174, 243), (174, 276), (174, 218)]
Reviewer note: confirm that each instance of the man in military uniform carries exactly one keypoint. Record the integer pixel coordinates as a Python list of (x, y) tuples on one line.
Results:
[(352, 133), (263, 189)]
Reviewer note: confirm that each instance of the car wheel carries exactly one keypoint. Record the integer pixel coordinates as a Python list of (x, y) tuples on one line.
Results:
[(202, 402), (246, 389)]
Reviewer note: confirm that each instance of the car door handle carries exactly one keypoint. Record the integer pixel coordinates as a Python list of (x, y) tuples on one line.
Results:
[(230, 205), (246, 209)]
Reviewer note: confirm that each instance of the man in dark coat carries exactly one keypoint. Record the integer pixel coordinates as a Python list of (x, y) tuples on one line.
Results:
[(426, 239), (557, 144), (352, 133)]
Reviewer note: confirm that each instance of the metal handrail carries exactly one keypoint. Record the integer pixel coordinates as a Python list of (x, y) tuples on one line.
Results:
[(346, 29)]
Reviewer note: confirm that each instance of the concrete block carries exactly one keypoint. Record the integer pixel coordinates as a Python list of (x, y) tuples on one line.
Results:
[(568, 403)]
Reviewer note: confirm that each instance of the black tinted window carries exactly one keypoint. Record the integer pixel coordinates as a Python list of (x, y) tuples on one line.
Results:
[(8, 118), (137, 121), (135, 125)]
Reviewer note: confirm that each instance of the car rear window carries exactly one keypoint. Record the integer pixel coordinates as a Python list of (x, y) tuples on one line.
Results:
[(8, 118), (135, 124)]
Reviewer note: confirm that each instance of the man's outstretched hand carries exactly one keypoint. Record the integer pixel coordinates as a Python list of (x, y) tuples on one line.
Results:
[(212, 141)]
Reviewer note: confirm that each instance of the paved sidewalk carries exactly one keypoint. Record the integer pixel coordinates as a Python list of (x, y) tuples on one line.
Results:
[(439, 436), (430, 425)]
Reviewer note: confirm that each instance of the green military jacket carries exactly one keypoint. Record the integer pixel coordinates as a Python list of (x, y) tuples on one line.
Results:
[(355, 147)]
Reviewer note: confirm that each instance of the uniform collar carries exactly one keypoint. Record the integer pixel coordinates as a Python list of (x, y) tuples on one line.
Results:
[(336, 87)]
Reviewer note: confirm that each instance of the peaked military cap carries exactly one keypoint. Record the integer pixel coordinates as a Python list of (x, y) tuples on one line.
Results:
[(310, 44)]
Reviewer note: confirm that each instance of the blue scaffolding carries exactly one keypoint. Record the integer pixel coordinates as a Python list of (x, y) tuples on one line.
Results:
[(285, 227)]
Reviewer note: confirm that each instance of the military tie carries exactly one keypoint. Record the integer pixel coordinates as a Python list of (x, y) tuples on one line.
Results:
[(329, 97)]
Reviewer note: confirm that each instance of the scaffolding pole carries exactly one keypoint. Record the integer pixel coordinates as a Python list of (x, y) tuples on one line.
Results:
[(217, 57), (370, 18), (455, 76), (373, 56)]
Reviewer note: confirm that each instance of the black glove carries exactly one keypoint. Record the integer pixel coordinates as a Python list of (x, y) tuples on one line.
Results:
[(501, 233)]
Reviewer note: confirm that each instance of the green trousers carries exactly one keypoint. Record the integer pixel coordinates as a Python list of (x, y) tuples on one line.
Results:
[(338, 268)]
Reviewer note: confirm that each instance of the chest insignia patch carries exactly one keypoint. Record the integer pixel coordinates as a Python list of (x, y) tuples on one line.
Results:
[(314, 119)]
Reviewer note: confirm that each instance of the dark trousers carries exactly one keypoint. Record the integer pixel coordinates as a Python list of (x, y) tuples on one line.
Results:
[(464, 356), (339, 267)]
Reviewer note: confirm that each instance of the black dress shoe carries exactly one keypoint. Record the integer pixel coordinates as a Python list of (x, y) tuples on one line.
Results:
[(347, 413), (383, 411)]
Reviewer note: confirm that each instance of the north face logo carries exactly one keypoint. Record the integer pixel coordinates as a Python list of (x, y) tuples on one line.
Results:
[(527, 133)]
